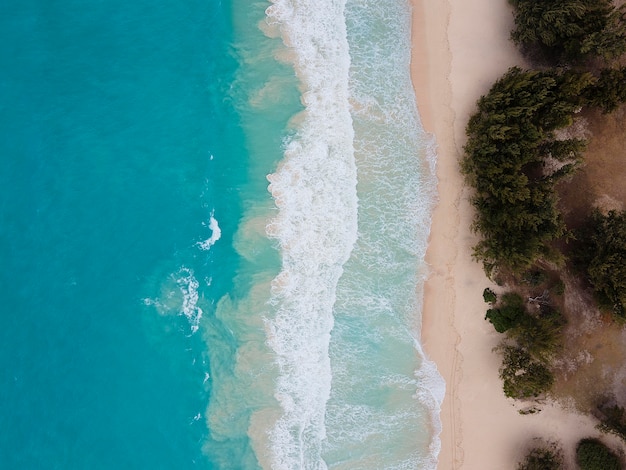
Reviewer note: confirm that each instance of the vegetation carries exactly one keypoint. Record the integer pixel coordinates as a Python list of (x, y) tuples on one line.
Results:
[(539, 335), (569, 31), (489, 296), (510, 138), (613, 421), (522, 376), (542, 459), (609, 90), (509, 314), (603, 257), (591, 454)]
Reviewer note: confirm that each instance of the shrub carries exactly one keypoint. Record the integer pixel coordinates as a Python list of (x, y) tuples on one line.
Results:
[(542, 459), (509, 314), (591, 454), (489, 296), (522, 376), (603, 256)]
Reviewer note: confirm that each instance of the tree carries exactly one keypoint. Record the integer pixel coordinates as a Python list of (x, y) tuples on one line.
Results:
[(542, 459), (591, 454), (603, 256), (510, 137), (609, 91), (509, 314), (569, 31), (522, 376)]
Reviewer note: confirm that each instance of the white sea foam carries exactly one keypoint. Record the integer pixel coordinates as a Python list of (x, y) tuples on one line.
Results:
[(216, 234), (384, 406), (315, 191), (188, 286)]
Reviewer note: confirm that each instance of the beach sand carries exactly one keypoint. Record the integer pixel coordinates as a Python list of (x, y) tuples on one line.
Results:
[(460, 47)]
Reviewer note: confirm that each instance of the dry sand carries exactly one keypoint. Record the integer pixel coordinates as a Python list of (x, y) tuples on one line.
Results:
[(460, 47)]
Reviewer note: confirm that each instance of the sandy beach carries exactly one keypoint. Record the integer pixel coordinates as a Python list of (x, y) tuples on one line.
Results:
[(460, 47)]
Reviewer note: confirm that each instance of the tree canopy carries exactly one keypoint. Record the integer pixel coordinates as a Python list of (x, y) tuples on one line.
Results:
[(522, 376), (591, 454), (603, 256), (541, 459), (510, 138), (569, 31)]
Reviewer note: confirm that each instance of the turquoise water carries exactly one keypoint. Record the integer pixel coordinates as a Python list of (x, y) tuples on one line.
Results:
[(213, 217)]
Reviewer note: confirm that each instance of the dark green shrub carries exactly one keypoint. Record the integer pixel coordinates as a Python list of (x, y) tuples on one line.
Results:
[(603, 257), (489, 296), (508, 314), (613, 421), (542, 459), (522, 376), (534, 277), (591, 454)]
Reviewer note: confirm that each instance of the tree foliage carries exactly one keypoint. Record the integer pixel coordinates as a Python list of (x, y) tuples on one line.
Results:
[(591, 454), (603, 256), (539, 335), (509, 139), (542, 459), (613, 421), (522, 376), (569, 31), (508, 314), (609, 91)]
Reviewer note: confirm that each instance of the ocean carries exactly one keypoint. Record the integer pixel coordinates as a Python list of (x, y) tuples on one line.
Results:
[(213, 220)]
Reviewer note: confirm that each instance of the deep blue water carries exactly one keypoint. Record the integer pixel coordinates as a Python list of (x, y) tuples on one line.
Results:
[(117, 143)]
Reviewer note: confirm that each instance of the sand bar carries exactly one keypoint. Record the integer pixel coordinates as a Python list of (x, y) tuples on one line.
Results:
[(460, 47)]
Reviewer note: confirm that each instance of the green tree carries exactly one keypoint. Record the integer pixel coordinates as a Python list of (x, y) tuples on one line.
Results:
[(509, 138), (603, 256), (523, 377), (542, 459), (591, 454), (508, 314), (609, 91), (569, 31), (539, 335)]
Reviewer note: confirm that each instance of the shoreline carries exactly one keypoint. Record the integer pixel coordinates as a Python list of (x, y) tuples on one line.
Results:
[(458, 50)]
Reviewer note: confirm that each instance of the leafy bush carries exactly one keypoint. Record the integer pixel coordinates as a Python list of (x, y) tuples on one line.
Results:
[(522, 376), (609, 91), (613, 421), (603, 256), (509, 314), (534, 277), (591, 454), (542, 459), (489, 296), (540, 336)]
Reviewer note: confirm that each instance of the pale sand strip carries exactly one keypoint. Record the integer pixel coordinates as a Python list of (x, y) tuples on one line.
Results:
[(460, 47)]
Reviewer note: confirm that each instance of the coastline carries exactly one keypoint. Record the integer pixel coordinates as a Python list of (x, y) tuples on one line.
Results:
[(459, 49)]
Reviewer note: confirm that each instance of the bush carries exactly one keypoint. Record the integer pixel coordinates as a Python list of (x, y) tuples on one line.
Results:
[(591, 454), (523, 377), (509, 314), (540, 336), (542, 459), (603, 256), (613, 421), (489, 296)]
